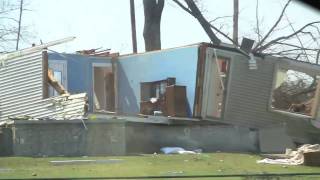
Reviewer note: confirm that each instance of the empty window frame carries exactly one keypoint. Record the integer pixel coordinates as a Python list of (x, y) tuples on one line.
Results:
[(215, 84), (294, 91)]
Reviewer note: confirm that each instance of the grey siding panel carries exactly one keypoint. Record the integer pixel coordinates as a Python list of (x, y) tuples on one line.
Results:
[(248, 95), (21, 87)]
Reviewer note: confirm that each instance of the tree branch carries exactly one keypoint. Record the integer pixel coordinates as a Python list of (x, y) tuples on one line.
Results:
[(257, 21), (223, 34), (195, 12), (272, 28), (301, 44), (287, 44), (217, 18), (183, 7), (261, 48), (212, 26)]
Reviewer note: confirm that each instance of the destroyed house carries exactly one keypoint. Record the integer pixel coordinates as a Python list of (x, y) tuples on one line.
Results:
[(216, 83), (196, 96)]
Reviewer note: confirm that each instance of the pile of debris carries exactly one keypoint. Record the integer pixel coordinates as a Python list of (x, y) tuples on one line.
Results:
[(308, 154), (97, 52)]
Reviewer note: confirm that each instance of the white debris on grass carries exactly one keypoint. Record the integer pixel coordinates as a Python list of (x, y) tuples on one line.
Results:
[(82, 161), (179, 150), (295, 157)]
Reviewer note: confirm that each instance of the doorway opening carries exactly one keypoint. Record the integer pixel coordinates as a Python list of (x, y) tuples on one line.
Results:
[(103, 89)]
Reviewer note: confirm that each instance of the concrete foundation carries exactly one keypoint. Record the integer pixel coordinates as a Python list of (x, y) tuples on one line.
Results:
[(149, 138), (124, 136), (275, 140)]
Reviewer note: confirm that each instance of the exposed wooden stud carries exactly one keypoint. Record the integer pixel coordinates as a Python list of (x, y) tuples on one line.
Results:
[(115, 72), (55, 84), (199, 81), (45, 88)]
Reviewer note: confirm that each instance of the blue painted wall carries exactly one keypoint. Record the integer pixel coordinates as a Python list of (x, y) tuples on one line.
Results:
[(79, 72), (180, 63)]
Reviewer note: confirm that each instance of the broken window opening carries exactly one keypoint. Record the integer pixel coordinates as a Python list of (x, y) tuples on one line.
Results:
[(294, 91), (103, 89)]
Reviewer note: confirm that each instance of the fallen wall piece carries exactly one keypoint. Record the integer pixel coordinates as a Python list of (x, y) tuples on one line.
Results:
[(23, 86), (64, 107), (295, 157), (67, 106)]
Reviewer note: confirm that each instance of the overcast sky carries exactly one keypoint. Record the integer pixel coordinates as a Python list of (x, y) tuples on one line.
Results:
[(106, 23)]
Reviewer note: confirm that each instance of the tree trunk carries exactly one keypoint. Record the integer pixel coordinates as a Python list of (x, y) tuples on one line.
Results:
[(151, 32), (235, 21)]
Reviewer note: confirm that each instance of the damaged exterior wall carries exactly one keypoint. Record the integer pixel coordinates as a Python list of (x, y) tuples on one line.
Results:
[(21, 86), (79, 72), (248, 97), (180, 63), (22, 91), (248, 92)]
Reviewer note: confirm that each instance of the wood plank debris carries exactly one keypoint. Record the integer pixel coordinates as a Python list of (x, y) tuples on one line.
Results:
[(55, 84)]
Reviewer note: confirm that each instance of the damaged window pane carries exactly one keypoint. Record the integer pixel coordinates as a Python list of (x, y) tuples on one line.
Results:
[(294, 91)]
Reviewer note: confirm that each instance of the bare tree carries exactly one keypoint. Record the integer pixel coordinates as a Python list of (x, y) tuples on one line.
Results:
[(302, 44), (151, 32), (11, 29)]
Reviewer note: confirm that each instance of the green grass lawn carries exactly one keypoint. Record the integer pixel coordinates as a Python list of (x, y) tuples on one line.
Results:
[(147, 165)]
